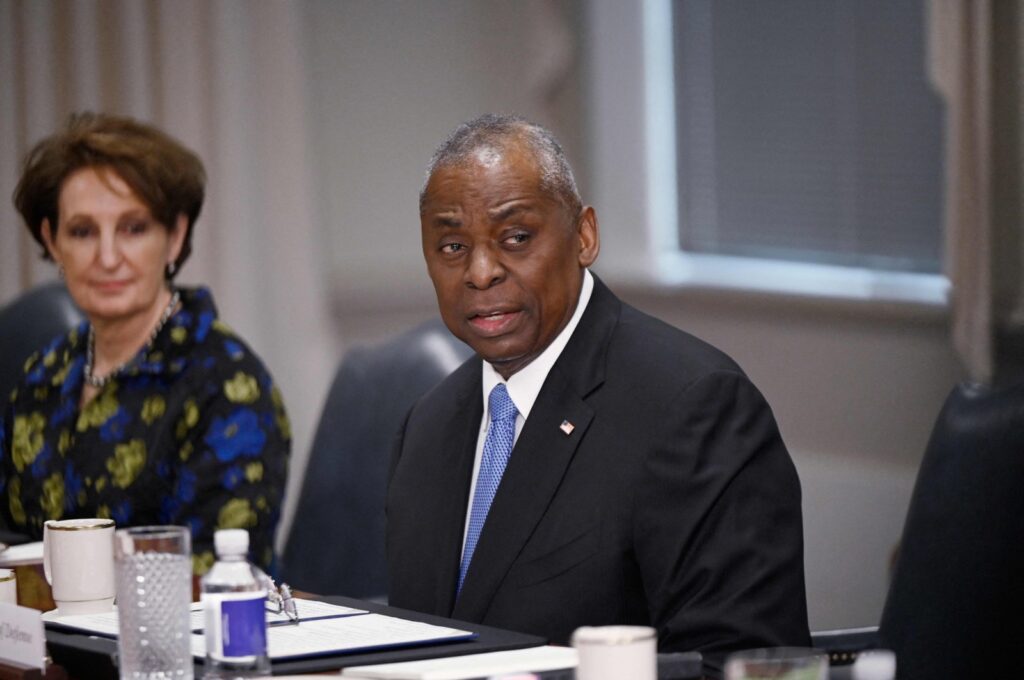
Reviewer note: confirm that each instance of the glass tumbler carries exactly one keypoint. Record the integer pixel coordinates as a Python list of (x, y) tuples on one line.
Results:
[(154, 592), (777, 663)]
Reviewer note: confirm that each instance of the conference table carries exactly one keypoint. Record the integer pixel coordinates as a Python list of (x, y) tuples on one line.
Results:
[(86, 657), (90, 657)]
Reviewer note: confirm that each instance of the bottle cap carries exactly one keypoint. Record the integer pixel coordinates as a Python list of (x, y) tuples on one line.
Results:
[(231, 542)]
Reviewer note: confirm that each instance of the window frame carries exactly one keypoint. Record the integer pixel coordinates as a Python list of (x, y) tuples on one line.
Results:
[(659, 260)]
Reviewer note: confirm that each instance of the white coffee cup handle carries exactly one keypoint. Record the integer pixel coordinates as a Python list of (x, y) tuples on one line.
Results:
[(46, 555)]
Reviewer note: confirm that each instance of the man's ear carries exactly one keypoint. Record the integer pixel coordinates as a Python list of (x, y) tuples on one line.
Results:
[(589, 235)]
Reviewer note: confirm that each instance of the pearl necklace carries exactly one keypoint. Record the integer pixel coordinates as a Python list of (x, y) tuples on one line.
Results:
[(98, 382)]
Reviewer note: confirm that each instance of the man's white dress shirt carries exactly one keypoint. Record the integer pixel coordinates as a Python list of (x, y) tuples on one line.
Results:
[(524, 386)]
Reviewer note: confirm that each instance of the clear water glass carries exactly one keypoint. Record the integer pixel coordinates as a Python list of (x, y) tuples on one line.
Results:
[(777, 663), (154, 591)]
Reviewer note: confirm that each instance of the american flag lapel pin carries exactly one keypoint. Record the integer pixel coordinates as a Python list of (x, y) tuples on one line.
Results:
[(566, 427)]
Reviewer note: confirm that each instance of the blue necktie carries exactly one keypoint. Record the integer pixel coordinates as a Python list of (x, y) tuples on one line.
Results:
[(497, 448)]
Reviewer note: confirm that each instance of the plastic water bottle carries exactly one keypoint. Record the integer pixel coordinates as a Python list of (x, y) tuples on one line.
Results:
[(234, 599)]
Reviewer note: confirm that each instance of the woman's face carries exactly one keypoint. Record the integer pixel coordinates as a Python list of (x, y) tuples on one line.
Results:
[(111, 248)]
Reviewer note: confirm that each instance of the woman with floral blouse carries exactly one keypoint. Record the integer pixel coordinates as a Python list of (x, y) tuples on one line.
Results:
[(152, 411)]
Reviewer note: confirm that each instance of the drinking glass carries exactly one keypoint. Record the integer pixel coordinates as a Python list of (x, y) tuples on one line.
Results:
[(154, 591), (777, 663)]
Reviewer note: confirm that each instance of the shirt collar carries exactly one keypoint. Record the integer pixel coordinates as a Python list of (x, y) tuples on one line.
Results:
[(524, 386)]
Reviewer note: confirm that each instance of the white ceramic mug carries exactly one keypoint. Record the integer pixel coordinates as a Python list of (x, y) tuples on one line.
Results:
[(8, 587), (615, 652), (78, 561)]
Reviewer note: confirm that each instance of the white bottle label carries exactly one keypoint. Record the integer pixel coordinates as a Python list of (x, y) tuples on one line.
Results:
[(236, 625)]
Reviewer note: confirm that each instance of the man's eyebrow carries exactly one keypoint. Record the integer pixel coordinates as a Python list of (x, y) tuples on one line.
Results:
[(508, 210), (445, 221)]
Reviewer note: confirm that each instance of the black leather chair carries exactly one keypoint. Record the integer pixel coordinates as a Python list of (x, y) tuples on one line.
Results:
[(27, 323), (336, 543), (955, 607)]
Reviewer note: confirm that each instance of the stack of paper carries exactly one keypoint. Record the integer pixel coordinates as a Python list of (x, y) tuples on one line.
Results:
[(323, 629)]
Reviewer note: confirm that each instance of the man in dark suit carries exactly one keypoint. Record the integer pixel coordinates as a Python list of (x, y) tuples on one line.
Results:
[(648, 482)]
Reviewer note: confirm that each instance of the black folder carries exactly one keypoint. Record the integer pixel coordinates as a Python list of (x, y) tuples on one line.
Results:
[(87, 656)]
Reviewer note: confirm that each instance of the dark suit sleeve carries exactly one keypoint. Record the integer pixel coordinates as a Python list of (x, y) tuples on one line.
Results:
[(718, 524)]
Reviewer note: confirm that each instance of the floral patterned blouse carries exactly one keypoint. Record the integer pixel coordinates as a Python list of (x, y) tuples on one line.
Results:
[(193, 433)]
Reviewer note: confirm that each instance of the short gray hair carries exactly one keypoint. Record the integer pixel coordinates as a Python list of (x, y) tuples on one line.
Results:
[(498, 131)]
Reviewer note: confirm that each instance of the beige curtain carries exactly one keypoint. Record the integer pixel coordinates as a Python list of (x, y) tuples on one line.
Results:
[(975, 63), (227, 78)]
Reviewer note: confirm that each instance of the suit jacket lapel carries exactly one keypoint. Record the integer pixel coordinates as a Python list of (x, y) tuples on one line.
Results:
[(542, 454), (448, 506)]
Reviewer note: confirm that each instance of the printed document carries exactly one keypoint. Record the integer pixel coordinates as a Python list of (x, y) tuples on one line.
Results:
[(323, 629)]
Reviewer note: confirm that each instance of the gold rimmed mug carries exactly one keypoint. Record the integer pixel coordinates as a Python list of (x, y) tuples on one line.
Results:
[(78, 562), (614, 652), (8, 587)]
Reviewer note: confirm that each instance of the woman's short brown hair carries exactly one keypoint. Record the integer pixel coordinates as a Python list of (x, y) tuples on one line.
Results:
[(164, 175)]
